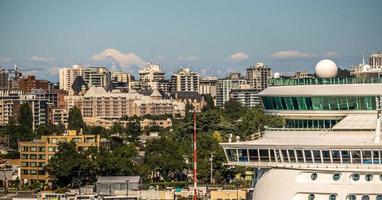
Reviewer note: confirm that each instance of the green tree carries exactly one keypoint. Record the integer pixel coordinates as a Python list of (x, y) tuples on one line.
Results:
[(75, 120), (25, 118), (68, 167), (254, 120), (133, 130), (233, 109), (209, 103), (165, 156)]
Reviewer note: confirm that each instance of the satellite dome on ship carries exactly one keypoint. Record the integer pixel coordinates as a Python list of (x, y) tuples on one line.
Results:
[(326, 69)]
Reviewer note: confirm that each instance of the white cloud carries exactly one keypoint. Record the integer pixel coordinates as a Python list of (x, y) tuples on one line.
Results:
[(292, 54), (125, 60), (188, 58), (40, 59), (332, 54), (238, 57), (53, 71), (4, 60)]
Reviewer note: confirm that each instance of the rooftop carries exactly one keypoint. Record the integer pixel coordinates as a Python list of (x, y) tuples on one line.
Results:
[(309, 139), (325, 90), (322, 81)]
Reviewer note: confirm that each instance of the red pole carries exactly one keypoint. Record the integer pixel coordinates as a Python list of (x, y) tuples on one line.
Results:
[(195, 171)]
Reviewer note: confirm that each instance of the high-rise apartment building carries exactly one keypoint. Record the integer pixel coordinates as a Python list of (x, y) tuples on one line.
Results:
[(10, 101), (258, 75), (247, 97), (151, 73), (29, 83), (93, 76), (185, 80), (4, 79), (224, 87), (208, 86)]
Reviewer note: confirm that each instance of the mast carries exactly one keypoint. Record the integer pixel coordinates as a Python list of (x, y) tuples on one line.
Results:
[(195, 169)]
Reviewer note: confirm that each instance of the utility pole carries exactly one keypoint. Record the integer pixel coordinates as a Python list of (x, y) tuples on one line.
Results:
[(195, 171)]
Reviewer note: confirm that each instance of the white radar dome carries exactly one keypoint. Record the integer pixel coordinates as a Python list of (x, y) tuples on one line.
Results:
[(326, 69)]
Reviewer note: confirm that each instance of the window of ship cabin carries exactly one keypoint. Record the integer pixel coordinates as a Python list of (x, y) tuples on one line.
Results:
[(345, 156), (243, 155), (264, 155), (366, 157), (317, 156), (300, 156), (326, 156), (232, 155), (336, 156), (379, 197), (253, 155), (365, 197), (332, 197), (272, 155), (308, 156), (278, 156), (311, 197), (376, 159), (284, 155), (292, 156), (356, 157), (368, 177), (352, 197)]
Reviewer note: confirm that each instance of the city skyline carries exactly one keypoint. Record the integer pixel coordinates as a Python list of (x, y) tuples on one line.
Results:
[(212, 38)]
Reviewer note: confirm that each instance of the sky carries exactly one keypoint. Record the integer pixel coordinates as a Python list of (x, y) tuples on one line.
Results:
[(212, 37)]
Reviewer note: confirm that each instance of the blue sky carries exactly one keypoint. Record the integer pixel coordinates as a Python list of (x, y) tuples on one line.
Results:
[(212, 37)]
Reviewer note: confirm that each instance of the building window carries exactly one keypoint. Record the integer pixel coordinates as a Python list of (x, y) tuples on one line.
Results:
[(33, 157), (369, 177), (24, 164), (313, 176), (336, 176), (380, 177), (355, 177), (33, 149)]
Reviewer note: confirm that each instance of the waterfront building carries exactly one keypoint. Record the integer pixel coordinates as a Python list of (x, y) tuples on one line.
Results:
[(192, 98), (59, 116), (185, 80), (258, 75), (331, 145), (121, 80), (35, 155)]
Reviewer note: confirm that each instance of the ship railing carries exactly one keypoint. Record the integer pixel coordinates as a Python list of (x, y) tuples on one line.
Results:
[(300, 129)]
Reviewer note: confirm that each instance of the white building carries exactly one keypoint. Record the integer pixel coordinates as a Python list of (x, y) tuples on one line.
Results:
[(185, 80), (258, 75), (93, 76)]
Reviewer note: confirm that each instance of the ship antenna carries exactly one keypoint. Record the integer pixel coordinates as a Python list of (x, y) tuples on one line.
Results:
[(377, 138)]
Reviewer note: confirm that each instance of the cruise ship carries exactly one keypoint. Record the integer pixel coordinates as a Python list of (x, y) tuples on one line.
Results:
[(330, 147)]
